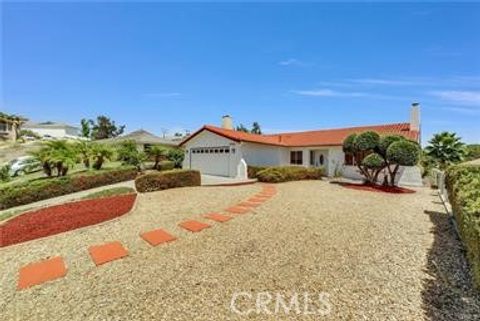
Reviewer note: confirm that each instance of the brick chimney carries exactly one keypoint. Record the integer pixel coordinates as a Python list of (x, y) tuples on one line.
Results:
[(415, 117), (227, 122)]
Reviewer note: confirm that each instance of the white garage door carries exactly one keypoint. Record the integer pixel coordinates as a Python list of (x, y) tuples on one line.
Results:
[(211, 160)]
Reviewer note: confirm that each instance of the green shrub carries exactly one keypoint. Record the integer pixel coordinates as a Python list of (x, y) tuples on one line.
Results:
[(176, 155), (253, 170), (33, 191), (463, 185), (166, 165), (373, 161), (289, 173), (5, 173), (404, 152), (367, 141), (129, 155), (169, 179)]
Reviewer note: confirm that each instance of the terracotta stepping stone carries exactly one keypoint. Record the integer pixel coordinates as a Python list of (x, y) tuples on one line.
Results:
[(237, 210), (157, 237), (263, 196), (104, 253), (218, 217), (256, 200), (249, 204), (194, 226), (40, 272)]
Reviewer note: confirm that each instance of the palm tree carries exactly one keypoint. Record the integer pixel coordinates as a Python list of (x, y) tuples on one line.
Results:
[(446, 149), (100, 153), (62, 155), (43, 156), (84, 150), (156, 152)]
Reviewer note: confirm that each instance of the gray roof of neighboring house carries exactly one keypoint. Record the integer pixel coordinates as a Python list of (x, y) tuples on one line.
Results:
[(47, 124), (144, 137)]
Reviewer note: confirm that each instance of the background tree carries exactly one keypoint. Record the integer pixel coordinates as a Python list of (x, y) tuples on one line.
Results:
[(86, 130), (242, 128), (27, 132), (256, 128), (446, 149), (101, 153), (128, 154), (473, 152), (104, 128), (156, 152)]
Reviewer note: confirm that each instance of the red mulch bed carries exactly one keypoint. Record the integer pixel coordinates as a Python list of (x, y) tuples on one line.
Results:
[(61, 218), (378, 188)]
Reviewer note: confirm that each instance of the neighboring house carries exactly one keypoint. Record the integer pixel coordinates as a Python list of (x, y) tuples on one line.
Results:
[(53, 129), (226, 152), (10, 126), (144, 140)]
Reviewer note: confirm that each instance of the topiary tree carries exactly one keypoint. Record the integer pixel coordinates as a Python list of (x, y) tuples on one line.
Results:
[(373, 164), (402, 153), (365, 143), (388, 152)]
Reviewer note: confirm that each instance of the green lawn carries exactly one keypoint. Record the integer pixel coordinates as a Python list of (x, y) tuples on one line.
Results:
[(77, 169)]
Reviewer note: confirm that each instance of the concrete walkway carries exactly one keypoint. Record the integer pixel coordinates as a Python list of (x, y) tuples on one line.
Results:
[(66, 198), (210, 180)]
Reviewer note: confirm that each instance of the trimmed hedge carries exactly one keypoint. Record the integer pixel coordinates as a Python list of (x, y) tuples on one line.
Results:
[(289, 173), (168, 179), (33, 191), (166, 165), (253, 170), (463, 185)]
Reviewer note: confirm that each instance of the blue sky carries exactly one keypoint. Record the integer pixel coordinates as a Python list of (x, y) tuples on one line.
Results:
[(287, 66)]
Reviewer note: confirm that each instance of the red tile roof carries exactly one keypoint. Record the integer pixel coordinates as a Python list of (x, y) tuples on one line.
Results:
[(325, 137)]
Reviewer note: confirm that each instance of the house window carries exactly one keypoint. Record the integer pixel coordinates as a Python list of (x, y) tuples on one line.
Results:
[(3, 127), (360, 156), (353, 160), (296, 157), (321, 159), (349, 159)]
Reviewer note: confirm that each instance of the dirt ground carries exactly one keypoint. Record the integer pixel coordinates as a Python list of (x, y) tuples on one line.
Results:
[(342, 254)]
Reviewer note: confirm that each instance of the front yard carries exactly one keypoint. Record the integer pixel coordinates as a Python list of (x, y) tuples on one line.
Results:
[(377, 256)]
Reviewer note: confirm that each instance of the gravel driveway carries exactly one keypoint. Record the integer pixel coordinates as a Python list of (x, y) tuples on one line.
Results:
[(371, 256)]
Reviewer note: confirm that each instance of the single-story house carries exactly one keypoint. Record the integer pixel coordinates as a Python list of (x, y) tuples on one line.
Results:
[(224, 151), (10, 126), (52, 129), (144, 140)]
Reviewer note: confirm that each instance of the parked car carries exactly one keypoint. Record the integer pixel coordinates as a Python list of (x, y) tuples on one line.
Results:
[(24, 165), (48, 137)]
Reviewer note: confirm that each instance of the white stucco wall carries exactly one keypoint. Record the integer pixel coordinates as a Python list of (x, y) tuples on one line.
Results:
[(265, 155)]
